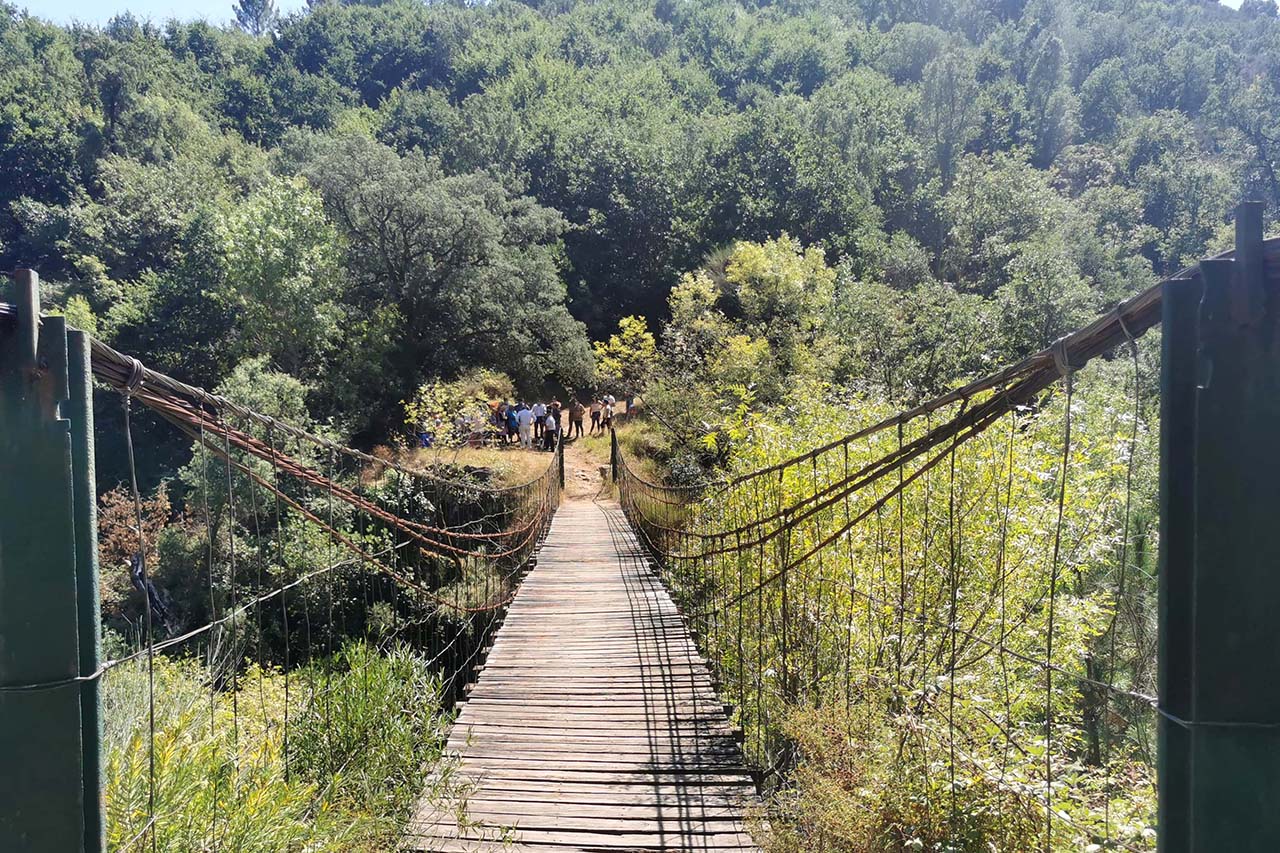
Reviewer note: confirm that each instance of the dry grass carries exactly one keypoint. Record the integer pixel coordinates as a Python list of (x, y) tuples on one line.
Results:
[(510, 464)]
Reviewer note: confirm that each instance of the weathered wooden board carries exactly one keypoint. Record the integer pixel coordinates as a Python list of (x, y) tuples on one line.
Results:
[(594, 724)]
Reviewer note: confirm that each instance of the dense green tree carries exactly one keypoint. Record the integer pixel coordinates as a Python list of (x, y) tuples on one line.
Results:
[(459, 270), (283, 278), (1105, 98), (626, 361), (256, 17), (602, 150), (1050, 101), (948, 110)]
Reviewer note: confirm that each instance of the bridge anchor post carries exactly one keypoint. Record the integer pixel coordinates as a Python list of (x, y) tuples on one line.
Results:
[(49, 719), (1219, 729)]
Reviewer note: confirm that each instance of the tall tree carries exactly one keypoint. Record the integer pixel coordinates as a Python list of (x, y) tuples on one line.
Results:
[(256, 17), (451, 272), (948, 109)]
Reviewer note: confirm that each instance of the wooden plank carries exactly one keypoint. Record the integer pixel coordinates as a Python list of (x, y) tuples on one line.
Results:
[(594, 724)]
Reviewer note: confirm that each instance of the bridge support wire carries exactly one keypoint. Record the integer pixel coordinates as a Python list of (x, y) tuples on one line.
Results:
[(983, 581), (431, 564)]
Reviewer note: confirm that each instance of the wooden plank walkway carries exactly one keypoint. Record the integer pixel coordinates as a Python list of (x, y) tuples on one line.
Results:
[(594, 725)]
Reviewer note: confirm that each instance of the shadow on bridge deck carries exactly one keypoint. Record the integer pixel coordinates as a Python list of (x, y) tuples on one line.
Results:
[(594, 724)]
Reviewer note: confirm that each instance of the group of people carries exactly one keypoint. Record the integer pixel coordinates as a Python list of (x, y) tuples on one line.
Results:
[(541, 424)]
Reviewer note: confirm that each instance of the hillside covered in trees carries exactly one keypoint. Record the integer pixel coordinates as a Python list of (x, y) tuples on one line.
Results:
[(777, 223), (372, 195)]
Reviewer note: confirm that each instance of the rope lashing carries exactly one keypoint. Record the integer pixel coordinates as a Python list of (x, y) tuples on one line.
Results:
[(1062, 357), (136, 374)]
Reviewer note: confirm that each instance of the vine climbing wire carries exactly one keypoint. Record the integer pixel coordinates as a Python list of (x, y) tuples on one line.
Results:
[(973, 648), (307, 546)]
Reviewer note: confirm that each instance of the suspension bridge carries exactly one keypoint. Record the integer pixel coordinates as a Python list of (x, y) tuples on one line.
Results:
[(942, 595)]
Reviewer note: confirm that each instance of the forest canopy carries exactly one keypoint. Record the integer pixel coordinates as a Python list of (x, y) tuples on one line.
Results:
[(374, 195), (772, 222)]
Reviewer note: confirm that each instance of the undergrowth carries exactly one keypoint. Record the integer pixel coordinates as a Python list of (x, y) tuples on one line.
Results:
[(365, 729)]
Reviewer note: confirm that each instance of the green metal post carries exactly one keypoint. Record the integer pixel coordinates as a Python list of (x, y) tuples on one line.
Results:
[(1180, 306), (613, 454), (1219, 637), (85, 501), (41, 781)]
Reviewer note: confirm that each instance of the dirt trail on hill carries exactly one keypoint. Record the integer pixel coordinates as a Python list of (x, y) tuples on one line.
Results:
[(582, 477)]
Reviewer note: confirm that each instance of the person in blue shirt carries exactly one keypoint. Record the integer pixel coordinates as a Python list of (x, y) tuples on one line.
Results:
[(513, 424)]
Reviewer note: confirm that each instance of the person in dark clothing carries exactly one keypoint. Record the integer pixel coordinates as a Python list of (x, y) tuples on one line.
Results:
[(550, 431)]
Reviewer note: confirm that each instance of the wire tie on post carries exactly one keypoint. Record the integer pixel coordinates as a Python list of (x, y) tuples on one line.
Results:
[(1213, 724)]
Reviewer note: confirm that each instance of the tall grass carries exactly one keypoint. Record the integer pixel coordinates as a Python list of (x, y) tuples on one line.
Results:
[(365, 729)]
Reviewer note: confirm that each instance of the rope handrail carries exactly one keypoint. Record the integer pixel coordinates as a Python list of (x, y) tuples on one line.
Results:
[(193, 424), (124, 372), (797, 577), (1127, 320)]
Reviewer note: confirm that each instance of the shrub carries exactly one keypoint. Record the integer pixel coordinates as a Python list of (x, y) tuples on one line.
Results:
[(364, 728)]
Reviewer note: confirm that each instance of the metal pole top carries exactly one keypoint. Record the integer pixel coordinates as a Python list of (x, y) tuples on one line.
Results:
[(26, 286)]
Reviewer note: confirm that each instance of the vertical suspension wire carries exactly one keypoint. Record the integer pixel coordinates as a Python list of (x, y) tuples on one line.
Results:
[(213, 615), (1055, 569), (328, 626), (148, 626), (869, 653), (334, 576), (308, 641), (284, 595), (922, 616), (952, 616), (822, 595), (231, 584), (462, 655), (740, 607), (368, 651), (258, 640), (783, 551), (759, 634), (1120, 586), (716, 569), (1002, 582), (853, 583), (391, 586), (902, 576)]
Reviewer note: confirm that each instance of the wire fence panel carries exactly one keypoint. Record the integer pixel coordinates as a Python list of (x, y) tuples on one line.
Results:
[(954, 604)]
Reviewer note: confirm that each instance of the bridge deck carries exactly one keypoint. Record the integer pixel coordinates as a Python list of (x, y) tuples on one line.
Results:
[(594, 725)]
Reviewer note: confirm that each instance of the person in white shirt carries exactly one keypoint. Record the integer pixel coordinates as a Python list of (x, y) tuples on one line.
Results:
[(550, 431), (539, 415), (524, 419)]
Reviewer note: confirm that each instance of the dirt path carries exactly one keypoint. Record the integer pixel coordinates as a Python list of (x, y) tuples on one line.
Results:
[(582, 470)]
